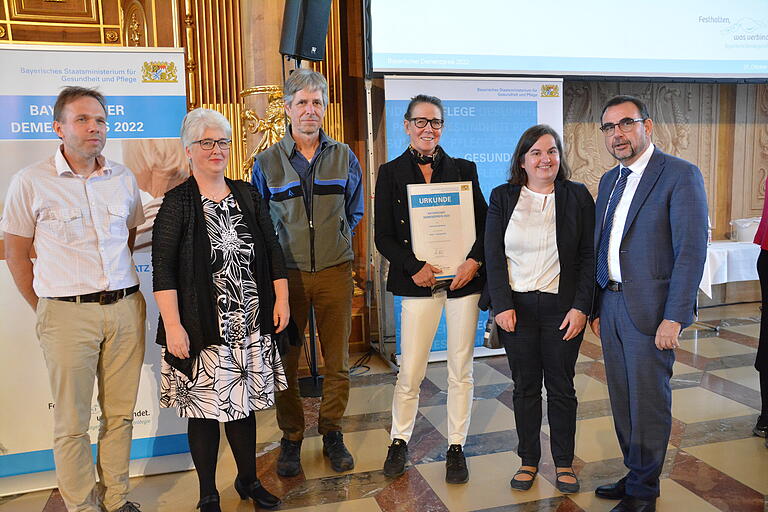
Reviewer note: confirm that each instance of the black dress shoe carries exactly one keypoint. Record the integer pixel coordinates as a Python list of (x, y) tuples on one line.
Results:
[(567, 487), (255, 491), (522, 485), (632, 504), (209, 503), (614, 491)]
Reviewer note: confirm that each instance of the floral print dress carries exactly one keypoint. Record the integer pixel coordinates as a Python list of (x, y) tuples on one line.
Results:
[(242, 374)]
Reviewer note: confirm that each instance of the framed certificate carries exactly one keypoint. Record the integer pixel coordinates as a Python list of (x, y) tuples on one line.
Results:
[(442, 224)]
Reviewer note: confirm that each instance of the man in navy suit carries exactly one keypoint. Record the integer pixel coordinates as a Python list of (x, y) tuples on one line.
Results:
[(650, 246)]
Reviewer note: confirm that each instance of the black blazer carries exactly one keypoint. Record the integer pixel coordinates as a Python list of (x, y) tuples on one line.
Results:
[(181, 261), (393, 225), (574, 225)]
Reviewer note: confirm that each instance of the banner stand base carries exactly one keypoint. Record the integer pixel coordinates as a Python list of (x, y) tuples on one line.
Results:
[(43, 480)]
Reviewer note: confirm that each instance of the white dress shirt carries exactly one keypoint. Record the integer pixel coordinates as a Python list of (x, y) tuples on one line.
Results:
[(622, 209), (80, 225), (530, 243)]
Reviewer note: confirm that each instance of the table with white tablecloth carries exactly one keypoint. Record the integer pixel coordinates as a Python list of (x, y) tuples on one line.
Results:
[(728, 262)]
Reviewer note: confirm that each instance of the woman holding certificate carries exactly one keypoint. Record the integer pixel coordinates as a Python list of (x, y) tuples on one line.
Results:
[(416, 281), (540, 264)]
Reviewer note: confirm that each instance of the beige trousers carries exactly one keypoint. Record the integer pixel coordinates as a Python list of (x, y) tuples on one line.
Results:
[(83, 343), (419, 319)]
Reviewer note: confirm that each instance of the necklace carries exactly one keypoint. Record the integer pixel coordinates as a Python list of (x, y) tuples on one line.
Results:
[(215, 197)]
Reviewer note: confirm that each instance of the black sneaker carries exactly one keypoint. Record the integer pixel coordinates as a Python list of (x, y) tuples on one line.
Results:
[(397, 456), (334, 449), (456, 471), (289, 461)]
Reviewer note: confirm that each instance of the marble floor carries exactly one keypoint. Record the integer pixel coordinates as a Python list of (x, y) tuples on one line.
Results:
[(713, 461)]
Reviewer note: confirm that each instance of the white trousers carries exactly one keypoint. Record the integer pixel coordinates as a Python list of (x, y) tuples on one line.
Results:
[(419, 319)]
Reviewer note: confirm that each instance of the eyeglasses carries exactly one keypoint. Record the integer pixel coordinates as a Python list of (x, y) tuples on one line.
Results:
[(207, 144), (625, 125), (421, 122)]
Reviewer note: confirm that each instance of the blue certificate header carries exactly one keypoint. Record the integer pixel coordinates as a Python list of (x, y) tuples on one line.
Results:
[(425, 200)]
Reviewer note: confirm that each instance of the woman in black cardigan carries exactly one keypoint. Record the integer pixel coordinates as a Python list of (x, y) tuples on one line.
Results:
[(540, 263), (425, 162), (221, 287)]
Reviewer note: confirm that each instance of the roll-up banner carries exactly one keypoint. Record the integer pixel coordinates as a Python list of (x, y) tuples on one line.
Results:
[(484, 119), (146, 101)]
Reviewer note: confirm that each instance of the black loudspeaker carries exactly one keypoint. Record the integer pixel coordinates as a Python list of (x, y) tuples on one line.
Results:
[(305, 25)]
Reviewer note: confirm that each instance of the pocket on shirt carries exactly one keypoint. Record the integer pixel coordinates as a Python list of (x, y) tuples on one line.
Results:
[(118, 220), (63, 223)]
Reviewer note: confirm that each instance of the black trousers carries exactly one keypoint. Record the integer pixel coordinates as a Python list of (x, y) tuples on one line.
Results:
[(761, 360), (537, 350)]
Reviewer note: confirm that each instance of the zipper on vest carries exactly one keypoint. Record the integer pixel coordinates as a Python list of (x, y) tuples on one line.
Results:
[(311, 245), (312, 208)]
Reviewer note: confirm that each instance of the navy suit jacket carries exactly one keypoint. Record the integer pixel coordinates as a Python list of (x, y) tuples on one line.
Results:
[(664, 243)]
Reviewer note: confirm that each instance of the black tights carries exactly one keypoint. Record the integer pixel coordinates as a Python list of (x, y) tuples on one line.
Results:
[(203, 437)]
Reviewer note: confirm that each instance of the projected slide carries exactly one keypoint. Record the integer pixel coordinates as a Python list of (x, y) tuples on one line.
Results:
[(655, 38), (483, 121)]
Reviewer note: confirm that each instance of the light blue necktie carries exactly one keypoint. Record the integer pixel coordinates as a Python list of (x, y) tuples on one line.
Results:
[(605, 234)]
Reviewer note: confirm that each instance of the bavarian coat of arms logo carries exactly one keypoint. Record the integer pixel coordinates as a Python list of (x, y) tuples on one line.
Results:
[(159, 72)]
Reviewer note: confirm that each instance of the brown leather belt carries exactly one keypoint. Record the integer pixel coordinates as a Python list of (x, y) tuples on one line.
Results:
[(103, 298)]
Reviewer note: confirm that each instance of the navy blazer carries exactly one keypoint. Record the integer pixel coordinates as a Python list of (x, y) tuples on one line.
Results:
[(664, 243), (392, 224), (574, 226)]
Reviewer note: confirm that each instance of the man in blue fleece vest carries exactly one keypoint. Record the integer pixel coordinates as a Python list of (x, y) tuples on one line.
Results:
[(313, 186)]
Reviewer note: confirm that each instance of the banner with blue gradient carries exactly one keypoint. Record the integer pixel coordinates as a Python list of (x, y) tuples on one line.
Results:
[(128, 117), (145, 93), (483, 121)]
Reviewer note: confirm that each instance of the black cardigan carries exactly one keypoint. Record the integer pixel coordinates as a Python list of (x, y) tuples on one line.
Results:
[(575, 227), (393, 225), (181, 260)]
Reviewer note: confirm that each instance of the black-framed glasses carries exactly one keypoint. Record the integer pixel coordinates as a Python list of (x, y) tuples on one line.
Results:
[(625, 125), (207, 144), (421, 122)]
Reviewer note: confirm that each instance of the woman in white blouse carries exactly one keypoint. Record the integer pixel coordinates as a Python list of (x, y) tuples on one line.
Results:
[(540, 264)]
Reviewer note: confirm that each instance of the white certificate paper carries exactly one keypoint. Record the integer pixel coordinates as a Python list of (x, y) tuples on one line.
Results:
[(442, 224)]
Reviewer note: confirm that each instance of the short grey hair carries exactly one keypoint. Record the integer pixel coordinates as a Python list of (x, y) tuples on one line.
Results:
[(305, 79), (196, 121)]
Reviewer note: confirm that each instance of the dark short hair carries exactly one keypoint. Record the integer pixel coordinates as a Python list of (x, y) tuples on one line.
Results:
[(625, 98), (423, 98), (517, 175), (70, 94)]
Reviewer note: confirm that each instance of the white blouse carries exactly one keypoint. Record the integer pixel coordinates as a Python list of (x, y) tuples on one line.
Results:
[(530, 243)]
